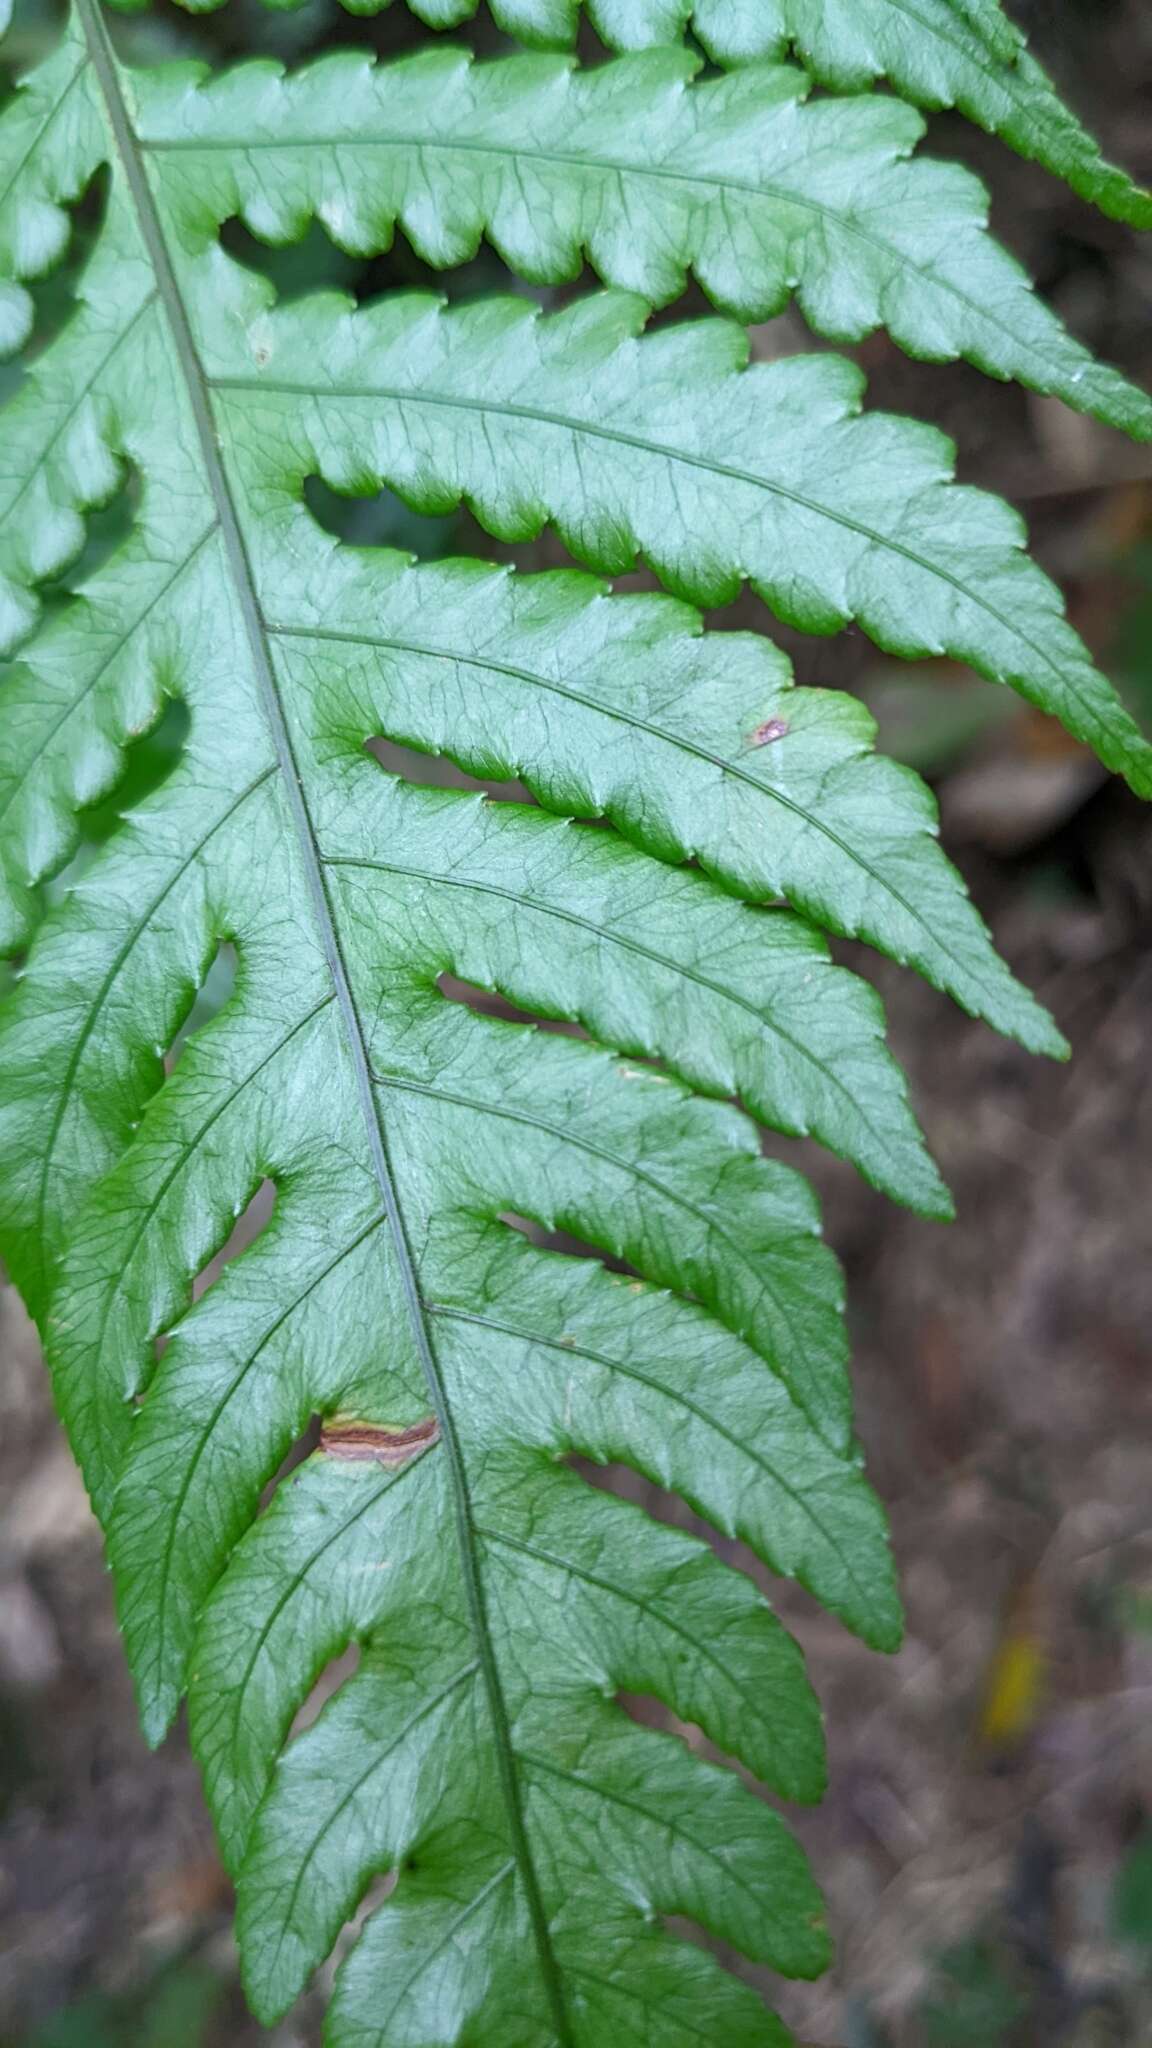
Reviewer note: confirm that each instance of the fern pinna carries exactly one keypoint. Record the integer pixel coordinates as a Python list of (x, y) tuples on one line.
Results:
[(538, 1839)]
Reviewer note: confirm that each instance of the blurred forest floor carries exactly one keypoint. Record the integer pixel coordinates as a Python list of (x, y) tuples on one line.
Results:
[(987, 1842)]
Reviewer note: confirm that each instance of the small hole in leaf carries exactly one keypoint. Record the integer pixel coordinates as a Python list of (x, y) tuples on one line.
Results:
[(215, 988), (169, 29), (379, 1891), (311, 263), (530, 548), (336, 1673), (292, 1460), (142, 767), (55, 296), (148, 762), (490, 1003), (438, 771), (251, 1221), (363, 513), (109, 526), (681, 1928), (624, 1482), (379, 519), (649, 1712), (306, 256), (106, 528), (568, 1246)]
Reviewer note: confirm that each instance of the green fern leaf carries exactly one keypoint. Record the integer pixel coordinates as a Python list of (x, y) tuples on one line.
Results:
[(44, 127), (734, 179), (830, 514), (966, 54), (696, 819), (938, 53)]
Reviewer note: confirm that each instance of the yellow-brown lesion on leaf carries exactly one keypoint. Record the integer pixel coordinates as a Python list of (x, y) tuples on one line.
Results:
[(375, 1443)]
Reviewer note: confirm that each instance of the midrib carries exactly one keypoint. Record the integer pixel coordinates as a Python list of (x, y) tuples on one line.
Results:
[(128, 151)]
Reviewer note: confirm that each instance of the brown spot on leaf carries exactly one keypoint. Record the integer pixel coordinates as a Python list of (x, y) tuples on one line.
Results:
[(772, 729), (373, 1443)]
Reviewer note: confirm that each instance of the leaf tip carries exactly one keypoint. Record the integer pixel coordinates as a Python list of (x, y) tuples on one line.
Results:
[(940, 1205)]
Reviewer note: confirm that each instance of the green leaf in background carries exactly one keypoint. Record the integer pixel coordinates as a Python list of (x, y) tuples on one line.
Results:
[(976, 2003), (176, 2010), (1132, 1897)]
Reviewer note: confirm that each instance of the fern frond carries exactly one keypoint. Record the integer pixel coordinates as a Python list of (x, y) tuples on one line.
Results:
[(965, 54), (43, 125), (768, 473), (696, 818), (647, 175), (374, 1296)]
